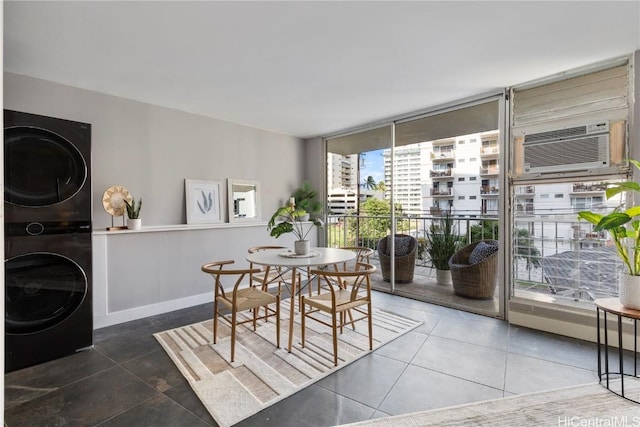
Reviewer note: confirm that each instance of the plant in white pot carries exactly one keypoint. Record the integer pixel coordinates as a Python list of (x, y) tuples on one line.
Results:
[(624, 228), (287, 219), (133, 214), (442, 242)]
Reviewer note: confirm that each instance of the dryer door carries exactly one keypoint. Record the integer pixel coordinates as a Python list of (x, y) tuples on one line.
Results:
[(41, 168), (41, 290)]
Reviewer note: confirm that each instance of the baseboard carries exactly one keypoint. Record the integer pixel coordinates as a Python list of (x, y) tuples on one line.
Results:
[(114, 318)]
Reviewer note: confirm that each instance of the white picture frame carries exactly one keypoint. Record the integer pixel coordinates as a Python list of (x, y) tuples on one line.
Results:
[(203, 201), (243, 200)]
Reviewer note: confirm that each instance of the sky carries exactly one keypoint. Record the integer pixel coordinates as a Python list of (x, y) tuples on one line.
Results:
[(373, 165)]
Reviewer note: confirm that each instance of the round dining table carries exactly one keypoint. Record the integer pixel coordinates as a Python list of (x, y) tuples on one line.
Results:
[(287, 259)]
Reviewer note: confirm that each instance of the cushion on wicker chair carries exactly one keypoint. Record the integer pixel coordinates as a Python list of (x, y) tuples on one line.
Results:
[(402, 243), (481, 252)]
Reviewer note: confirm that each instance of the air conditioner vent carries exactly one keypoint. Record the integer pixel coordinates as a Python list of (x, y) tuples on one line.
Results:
[(560, 150)]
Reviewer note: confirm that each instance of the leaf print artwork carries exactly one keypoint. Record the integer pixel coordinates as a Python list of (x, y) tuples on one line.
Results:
[(202, 201), (207, 202)]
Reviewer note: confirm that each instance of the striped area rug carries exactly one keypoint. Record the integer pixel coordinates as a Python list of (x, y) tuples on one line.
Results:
[(261, 374)]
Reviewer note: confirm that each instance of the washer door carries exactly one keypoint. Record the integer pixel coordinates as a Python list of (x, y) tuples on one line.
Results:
[(41, 290), (41, 168)]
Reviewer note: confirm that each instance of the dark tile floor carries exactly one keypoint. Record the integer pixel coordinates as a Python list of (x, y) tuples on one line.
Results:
[(453, 358)]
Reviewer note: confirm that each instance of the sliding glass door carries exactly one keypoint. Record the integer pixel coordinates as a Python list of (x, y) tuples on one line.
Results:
[(442, 163)]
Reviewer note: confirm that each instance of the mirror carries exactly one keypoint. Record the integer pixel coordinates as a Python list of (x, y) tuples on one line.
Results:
[(243, 200)]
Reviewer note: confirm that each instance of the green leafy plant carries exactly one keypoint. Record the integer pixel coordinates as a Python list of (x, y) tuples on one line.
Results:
[(306, 199), (621, 224), (287, 220), (133, 210), (442, 241)]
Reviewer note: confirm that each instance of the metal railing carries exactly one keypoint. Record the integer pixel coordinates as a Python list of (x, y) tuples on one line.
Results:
[(562, 259)]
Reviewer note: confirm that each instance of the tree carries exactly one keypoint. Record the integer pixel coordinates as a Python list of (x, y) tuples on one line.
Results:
[(370, 183)]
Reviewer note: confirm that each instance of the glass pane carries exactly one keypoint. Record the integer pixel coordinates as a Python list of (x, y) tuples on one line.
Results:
[(41, 290), (41, 168), (559, 258)]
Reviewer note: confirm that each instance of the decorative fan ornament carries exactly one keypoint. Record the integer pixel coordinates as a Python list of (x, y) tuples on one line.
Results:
[(113, 200)]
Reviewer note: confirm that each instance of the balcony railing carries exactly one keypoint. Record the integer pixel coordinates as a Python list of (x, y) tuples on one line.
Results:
[(442, 192), (552, 259), (490, 170), (440, 173), (582, 188), (489, 190)]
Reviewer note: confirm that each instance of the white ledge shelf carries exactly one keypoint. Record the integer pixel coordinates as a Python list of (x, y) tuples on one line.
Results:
[(180, 227)]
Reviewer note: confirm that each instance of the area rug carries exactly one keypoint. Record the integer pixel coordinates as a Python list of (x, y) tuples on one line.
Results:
[(261, 374), (584, 405)]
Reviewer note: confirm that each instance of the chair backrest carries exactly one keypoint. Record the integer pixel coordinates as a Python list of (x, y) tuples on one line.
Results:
[(363, 255), (216, 270), (359, 279)]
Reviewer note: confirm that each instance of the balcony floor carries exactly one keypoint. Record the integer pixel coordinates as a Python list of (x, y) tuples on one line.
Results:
[(424, 288)]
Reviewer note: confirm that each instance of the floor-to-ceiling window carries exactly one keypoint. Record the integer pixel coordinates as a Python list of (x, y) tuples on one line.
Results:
[(569, 139), (444, 161)]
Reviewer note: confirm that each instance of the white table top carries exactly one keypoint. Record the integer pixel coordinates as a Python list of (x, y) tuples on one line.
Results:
[(325, 256)]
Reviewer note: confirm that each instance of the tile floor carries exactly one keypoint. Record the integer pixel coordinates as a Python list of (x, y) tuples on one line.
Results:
[(453, 358)]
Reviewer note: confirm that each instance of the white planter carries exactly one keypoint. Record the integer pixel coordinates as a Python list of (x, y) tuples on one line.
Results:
[(302, 247), (443, 277), (134, 224), (630, 291)]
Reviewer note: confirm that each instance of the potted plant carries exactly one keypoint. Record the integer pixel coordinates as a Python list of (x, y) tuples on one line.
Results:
[(306, 199), (133, 214), (442, 242), (625, 238), (287, 219)]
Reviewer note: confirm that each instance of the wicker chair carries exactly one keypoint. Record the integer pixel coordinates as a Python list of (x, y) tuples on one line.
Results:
[(405, 261), (474, 280)]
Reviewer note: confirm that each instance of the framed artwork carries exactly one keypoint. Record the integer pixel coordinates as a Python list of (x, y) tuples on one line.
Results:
[(243, 200), (203, 201)]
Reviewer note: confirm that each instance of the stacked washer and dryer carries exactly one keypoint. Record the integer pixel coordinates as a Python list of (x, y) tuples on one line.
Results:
[(47, 228)]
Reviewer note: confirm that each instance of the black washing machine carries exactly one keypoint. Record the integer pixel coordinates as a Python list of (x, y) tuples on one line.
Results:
[(47, 168), (48, 295), (48, 269)]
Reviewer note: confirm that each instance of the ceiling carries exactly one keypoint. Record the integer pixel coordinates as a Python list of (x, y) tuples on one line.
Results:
[(306, 68)]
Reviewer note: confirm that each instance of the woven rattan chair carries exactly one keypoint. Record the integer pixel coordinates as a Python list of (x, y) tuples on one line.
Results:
[(405, 263), (349, 292), (240, 299), (474, 280)]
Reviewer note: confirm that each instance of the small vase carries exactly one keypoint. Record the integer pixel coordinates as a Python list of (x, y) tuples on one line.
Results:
[(301, 247), (630, 291), (443, 277), (134, 224)]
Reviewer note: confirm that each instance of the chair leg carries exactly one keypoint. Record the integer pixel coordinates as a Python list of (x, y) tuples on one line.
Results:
[(215, 320), (302, 322), (335, 338), (278, 321), (370, 326), (233, 334)]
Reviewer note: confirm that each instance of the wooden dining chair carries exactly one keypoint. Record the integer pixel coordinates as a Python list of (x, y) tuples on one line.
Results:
[(363, 256), (347, 291), (240, 299), (270, 275)]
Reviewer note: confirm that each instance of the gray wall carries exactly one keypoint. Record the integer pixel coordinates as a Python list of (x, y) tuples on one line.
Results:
[(151, 150)]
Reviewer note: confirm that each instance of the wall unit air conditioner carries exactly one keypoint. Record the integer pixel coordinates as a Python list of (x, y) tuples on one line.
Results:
[(569, 149)]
